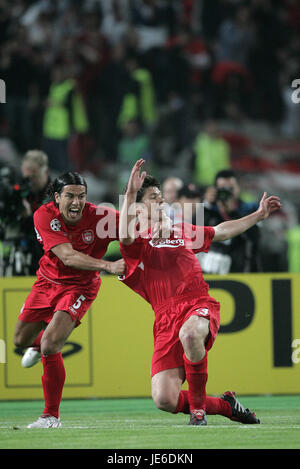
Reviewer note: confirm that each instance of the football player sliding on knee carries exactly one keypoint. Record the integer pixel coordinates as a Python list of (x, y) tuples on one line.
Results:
[(161, 266)]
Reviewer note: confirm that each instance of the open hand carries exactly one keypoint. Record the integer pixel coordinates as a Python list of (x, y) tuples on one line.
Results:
[(268, 205), (136, 178)]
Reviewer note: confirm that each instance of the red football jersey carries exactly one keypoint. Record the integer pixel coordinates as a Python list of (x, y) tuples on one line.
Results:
[(98, 226), (167, 270)]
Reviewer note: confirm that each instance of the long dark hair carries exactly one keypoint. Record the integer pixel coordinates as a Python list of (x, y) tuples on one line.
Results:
[(60, 182)]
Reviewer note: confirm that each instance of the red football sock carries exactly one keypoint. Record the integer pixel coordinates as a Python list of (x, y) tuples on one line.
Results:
[(53, 381), (183, 404), (217, 406), (214, 405), (196, 376), (37, 341)]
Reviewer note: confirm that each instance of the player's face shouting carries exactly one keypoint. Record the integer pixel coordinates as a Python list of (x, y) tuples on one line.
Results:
[(71, 202)]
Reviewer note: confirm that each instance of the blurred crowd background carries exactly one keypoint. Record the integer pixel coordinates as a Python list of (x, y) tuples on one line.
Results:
[(195, 87)]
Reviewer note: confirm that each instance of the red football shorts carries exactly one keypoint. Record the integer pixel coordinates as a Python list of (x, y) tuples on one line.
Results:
[(46, 297), (168, 351)]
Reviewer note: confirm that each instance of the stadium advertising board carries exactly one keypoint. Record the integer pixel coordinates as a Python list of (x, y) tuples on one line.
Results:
[(257, 350)]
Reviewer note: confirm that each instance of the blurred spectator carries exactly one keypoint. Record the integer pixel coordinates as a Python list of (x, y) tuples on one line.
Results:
[(134, 144), (231, 91), (35, 170), (197, 55), (274, 255), (16, 62), (41, 32), (170, 189), (174, 69), (139, 102), (64, 115), (90, 57), (271, 37), (188, 73), (231, 74), (151, 20), (240, 254), (111, 87), (115, 19), (38, 93), (211, 154), (20, 197), (212, 15), (236, 37)]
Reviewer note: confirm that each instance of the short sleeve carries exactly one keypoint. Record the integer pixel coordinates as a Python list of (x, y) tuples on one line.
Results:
[(48, 229), (133, 277), (132, 250), (208, 236), (131, 254)]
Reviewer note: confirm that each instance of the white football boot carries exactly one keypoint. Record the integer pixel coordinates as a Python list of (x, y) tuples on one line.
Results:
[(30, 357), (47, 421)]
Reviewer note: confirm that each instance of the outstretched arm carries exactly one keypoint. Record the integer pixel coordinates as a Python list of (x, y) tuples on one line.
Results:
[(230, 229), (78, 260), (128, 214)]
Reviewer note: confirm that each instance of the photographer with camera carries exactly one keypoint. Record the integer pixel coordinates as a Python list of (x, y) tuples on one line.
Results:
[(20, 196), (222, 203)]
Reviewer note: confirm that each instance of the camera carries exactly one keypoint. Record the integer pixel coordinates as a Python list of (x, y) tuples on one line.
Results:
[(224, 193), (15, 258), (12, 192)]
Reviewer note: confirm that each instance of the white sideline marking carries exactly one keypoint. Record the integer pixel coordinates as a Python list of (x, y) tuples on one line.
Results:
[(103, 426)]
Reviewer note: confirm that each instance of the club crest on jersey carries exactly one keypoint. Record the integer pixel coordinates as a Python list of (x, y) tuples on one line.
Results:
[(88, 236), (202, 311), (55, 224)]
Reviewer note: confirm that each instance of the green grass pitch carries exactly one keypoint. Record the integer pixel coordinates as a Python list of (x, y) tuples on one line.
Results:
[(137, 424)]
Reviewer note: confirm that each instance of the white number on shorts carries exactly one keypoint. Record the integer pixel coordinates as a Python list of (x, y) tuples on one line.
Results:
[(78, 302)]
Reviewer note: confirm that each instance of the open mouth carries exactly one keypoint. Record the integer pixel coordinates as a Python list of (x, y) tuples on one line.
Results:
[(73, 213)]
